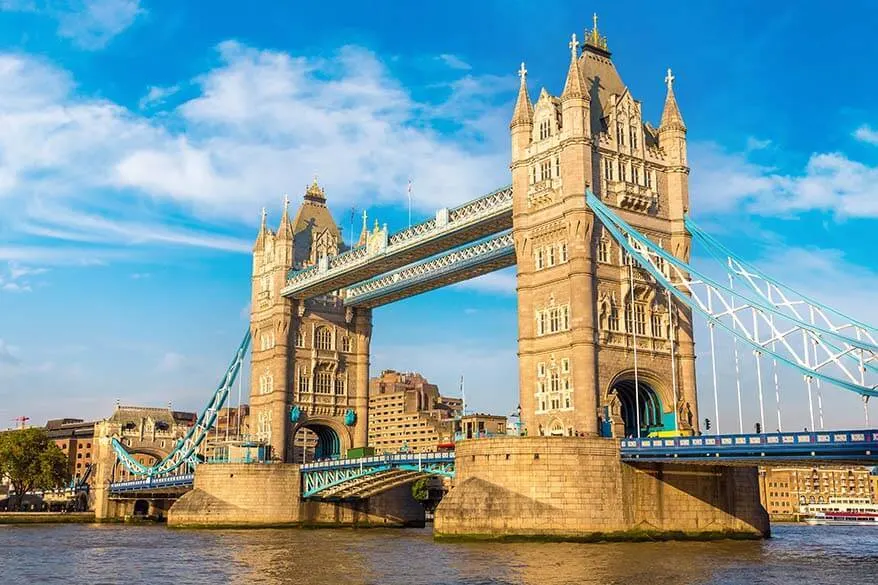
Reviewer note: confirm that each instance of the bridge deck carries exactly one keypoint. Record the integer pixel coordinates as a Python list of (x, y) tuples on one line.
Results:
[(462, 225)]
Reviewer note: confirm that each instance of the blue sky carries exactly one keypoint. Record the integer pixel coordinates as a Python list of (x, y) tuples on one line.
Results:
[(140, 139)]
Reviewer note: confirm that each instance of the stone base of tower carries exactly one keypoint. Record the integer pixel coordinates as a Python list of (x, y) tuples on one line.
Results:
[(265, 495), (578, 489)]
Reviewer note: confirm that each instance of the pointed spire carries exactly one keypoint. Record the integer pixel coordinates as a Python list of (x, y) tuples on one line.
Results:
[(364, 233), (671, 117), (263, 231), (285, 230), (524, 109), (574, 87)]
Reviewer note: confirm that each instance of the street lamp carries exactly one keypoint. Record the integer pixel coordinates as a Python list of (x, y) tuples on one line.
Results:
[(517, 415)]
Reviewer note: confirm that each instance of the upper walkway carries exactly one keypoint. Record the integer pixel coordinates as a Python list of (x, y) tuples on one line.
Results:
[(450, 228)]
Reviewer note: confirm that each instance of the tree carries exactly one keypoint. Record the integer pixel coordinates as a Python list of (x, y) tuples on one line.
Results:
[(419, 489), (32, 461)]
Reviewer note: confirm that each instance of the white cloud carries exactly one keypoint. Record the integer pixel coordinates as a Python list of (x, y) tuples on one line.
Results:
[(7, 354), (866, 133), (754, 143), (72, 164), (500, 282), (17, 278), (723, 181), (91, 24), (171, 362), (157, 96), (454, 62), (140, 275)]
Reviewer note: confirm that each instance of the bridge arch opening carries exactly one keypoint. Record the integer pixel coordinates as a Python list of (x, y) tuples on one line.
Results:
[(642, 397), (313, 441), (141, 508)]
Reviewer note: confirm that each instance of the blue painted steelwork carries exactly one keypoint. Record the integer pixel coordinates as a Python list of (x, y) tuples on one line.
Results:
[(650, 256), (323, 475), (185, 480), (497, 251), (186, 450), (860, 446), (450, 228)]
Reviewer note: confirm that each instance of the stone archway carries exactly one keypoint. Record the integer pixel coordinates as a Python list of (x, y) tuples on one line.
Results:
[(637, 402), (141, 508), (317, 440)]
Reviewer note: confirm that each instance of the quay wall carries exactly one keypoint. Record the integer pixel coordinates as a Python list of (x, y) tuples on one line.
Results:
[(261, 495), (578, 488)]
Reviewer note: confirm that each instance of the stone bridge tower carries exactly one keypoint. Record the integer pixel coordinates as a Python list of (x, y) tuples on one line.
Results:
[(580, 322), (309, 359)]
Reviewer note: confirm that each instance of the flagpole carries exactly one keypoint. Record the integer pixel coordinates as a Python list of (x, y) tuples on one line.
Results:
[(410, 202)]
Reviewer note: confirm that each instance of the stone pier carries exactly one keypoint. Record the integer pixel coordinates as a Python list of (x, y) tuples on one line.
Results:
[(262, 495), (572, 488)]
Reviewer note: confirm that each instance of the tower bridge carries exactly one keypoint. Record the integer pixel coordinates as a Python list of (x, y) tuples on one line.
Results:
[(597, 224)]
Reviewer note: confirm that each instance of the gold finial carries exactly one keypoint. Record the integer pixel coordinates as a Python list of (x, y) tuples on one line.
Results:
[(286, 202), (669, 79), (264, 216), (574, 45), (522, 72), (593, 37)]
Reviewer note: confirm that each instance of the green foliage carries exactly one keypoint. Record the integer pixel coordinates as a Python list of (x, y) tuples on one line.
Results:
[(32, 461), (419, 489)]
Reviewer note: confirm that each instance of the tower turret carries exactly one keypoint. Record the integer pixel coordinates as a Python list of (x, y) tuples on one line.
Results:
[(672, 140), (522, 117), (575, 99)]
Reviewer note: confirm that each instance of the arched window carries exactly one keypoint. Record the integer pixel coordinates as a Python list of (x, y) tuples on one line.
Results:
[(266, 383), (555, 381), (323, 338), (346, 344), (339, 385), (300, 339)]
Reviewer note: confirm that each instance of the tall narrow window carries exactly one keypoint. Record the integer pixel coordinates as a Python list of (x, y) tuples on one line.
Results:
[(533, 174), (303, 379), (554, 382), (339, 385), (657, 330), (551, 255), (323, 383), (636, 319), (633, 137), (608, 169), (557, 166), (620, 134), (541, 258), (613, 320), (562, 252), (555, 321), (300, 339), (545, 170), (565, 318), (648, 176), (635, 175), (346, 344), (604, 251), (323, 338)]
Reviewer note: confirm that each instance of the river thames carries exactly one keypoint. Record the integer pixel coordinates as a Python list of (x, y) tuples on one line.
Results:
[(134, 555)]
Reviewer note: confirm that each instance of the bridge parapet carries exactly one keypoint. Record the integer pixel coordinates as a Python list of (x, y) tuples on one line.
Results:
[(450, 228), (857, 446)]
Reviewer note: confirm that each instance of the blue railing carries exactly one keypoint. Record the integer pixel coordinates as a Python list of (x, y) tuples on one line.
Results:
[(861, 445), (379, 460), (151, 483)]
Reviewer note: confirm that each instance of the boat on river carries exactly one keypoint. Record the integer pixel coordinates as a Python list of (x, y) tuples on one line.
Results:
[(843, 512)]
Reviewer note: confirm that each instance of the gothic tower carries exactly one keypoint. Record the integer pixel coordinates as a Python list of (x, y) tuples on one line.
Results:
[(310, 359), (584, 309)]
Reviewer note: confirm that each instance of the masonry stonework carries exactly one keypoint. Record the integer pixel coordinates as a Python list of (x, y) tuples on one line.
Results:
[(254, 495), (578, 488), (584, 306)]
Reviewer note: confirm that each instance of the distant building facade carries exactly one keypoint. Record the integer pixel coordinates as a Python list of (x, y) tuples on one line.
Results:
[(407, 412), (75, 437), (784, 490), (479, 425)]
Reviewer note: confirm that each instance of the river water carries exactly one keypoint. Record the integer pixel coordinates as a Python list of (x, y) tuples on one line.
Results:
[(135, 555)]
